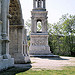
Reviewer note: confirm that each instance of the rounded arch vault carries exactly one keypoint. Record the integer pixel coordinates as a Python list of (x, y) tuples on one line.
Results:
[(15, 12)]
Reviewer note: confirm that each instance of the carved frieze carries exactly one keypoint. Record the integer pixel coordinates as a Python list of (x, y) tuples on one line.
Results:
[(36, 40)]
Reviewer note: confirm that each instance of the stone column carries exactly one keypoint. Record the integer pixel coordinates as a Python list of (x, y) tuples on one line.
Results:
[(37, 3), (0, 31), (5, 42), (25, 43), (43, 29), (4, 18), (34, 4), (5, 59), (44, 25), (35, 26), (0, 39), (32, 25), (44, 4), (41, 3)]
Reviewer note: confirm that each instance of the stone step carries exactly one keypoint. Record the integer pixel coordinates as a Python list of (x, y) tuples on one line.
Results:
[(45, 56)]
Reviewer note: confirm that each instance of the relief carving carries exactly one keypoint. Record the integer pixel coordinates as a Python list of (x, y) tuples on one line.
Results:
[(39, 41)]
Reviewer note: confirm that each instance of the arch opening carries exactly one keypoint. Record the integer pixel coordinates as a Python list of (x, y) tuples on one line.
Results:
[(39, 26)]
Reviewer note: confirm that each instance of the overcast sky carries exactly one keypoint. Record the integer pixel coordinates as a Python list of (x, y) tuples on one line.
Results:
[(55, 8)]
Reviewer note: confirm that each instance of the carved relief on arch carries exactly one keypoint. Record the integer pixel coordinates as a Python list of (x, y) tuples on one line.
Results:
[(16, 13)]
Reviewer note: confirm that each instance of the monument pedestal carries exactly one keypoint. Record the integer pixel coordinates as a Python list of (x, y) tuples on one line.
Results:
[(39, 44)]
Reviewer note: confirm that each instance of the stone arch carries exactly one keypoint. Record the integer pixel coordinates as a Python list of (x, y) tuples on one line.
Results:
[(16, 13), (39, 26), (17, 34)]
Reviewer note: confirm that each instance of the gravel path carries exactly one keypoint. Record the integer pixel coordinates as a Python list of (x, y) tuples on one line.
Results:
[(52, 63), (49, 63)]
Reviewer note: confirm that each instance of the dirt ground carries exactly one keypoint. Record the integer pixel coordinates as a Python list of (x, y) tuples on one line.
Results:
[(52, 63), (49, 63)]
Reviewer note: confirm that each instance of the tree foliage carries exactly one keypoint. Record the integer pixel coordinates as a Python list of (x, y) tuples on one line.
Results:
[(63, 35)]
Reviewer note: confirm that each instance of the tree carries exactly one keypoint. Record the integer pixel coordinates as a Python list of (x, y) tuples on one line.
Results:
[(63, 32), (28, 26)]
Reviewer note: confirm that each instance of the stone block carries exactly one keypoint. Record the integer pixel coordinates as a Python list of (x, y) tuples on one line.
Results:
[(5, 63), (39, 44), (20, 58)]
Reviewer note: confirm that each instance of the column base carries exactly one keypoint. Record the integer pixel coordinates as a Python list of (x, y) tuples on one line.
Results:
[(1, 57), (6, 63), (6, 56), (20, 58)]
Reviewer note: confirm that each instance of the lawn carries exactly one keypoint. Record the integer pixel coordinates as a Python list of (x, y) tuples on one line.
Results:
[(22, 71)]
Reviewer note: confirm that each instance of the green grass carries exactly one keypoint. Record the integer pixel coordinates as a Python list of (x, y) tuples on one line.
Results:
[(22, 71)]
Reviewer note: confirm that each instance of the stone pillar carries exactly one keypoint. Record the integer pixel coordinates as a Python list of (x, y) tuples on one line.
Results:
[(37, 3), (17, 32), (41, 3), (44, 25), (0, 32), (34, 4), (4, 18), (44, 4), (35, 26), (5, 28), (32, 26), (0, 39), (5, 59), (25, 43)]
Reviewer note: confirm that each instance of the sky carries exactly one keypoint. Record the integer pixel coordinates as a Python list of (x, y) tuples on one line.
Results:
[(55, 8)]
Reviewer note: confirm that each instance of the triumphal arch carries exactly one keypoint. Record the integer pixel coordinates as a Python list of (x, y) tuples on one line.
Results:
[(17, 34), (13, 40)]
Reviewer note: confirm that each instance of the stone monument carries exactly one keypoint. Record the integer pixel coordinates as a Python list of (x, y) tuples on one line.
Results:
[(17, 34), (39, 39), (5, 58)]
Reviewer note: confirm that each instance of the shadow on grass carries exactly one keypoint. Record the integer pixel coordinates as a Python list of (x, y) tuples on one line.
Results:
[(14, 70)]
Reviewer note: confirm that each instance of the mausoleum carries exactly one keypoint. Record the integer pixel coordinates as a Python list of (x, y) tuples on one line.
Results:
[(39, 39)]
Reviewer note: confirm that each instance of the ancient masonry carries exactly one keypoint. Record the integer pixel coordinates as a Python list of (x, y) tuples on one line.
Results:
[(5, 58), (17, 34), (39, 40)]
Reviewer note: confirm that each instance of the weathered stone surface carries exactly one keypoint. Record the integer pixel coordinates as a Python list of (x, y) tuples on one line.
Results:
[(18, 45), (17, 34), (39, 40), (16, 13), (5, 58), (5, 63), (39, 44)]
